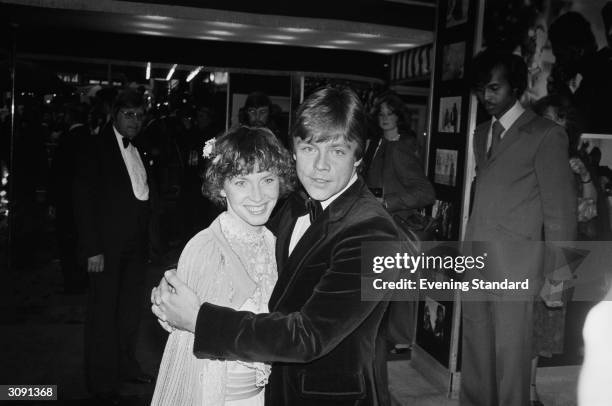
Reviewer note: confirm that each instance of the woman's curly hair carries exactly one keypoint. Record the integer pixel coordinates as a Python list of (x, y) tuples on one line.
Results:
[(242, 151)]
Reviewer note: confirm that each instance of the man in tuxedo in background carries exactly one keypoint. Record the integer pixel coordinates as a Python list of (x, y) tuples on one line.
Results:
[(523, 191), (112, 207), (321, 337)]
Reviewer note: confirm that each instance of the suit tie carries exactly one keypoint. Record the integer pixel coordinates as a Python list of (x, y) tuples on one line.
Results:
[(496, 133), (314, 209), (126, 142)]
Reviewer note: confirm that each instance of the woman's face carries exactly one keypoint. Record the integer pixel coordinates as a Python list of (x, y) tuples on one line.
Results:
[(252, 197), (387, 119)]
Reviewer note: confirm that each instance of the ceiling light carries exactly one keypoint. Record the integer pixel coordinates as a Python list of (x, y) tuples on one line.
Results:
[(328, 46), (271, 42), (343, 41), (153, 26), (171, 72), (281, 37), (382, 51), (143, 32), (403, 45), (193, 73), (148, 74), (157, 18), (220, 32), (364, 35), (227, 24), (208, 38), (296, 29)]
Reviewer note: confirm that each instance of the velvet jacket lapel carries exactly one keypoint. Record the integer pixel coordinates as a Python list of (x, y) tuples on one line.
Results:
[(290, 266)]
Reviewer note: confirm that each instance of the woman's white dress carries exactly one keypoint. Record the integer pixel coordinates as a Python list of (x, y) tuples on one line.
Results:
[(227, 264)]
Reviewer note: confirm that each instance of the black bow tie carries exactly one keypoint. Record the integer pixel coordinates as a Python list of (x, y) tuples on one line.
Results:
[(126, 142), (314, 209)]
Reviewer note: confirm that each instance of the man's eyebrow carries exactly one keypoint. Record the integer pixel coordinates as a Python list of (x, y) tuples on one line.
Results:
[(338, 144)]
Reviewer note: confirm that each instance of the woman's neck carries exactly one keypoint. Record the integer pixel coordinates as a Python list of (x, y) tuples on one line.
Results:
[(242, 224), (391, 135)]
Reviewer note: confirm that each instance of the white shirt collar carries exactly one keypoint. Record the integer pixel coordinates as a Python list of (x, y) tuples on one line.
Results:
[(329, 201), (510, 116), (118, 135)]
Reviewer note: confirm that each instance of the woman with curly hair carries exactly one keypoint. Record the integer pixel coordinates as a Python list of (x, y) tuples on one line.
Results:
[(231, 263)]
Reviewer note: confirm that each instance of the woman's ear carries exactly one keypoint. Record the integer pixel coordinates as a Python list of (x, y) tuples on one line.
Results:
[(222, 193)]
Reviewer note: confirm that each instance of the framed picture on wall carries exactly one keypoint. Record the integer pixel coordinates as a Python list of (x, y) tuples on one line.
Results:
[(449, 118), (453, 60), (446, 167), (443, 212), (434, 325)]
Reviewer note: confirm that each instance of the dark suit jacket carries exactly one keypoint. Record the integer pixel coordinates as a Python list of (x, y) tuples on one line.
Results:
[(523, 192), (397, 170), (107, 214), (320, 335)]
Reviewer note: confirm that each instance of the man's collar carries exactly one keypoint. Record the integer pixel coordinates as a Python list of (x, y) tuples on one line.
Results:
[(510, 116)]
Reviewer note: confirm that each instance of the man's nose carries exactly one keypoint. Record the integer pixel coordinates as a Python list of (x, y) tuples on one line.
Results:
[(321, 162)]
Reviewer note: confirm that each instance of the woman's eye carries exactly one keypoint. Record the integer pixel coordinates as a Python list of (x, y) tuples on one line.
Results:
[(339, 152), (269, 180), (239, 183)]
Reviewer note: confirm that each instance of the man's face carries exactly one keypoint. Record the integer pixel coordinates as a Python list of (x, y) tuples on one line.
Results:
[(496, 96), (325, 168), (128, 121), (203, 119), (258, 116)]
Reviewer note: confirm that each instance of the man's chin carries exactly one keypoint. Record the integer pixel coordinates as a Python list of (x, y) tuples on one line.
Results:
[(318, 194)]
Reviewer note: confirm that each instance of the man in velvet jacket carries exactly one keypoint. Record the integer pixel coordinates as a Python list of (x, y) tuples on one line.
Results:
[(523, 194), (111, 200), (320, 336)]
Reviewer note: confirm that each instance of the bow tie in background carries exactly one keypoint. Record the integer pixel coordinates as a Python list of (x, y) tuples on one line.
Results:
[(126, 142), (314, 209)]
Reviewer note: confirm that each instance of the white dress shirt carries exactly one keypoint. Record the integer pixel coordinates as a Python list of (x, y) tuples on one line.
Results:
[(303, 222), (507, 120), (135, 168)]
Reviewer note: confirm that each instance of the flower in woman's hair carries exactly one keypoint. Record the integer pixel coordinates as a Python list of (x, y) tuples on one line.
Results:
[(209, 146)]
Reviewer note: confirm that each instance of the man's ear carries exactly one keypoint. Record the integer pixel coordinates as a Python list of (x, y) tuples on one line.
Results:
[(222, 193)]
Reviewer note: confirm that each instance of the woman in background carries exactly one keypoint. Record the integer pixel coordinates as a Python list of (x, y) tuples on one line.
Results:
[(396, 174), (396, 177)]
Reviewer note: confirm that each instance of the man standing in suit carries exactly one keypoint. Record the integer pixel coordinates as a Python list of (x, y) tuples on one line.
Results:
[(321, 337), (112, 211), (523, 192)]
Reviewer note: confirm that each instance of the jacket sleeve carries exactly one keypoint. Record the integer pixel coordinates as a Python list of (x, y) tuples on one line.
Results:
[(556, 184), (416, 191), (86, 196), (333, 311)]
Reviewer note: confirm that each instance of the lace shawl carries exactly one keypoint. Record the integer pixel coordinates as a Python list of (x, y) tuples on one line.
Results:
[(208, 265)]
